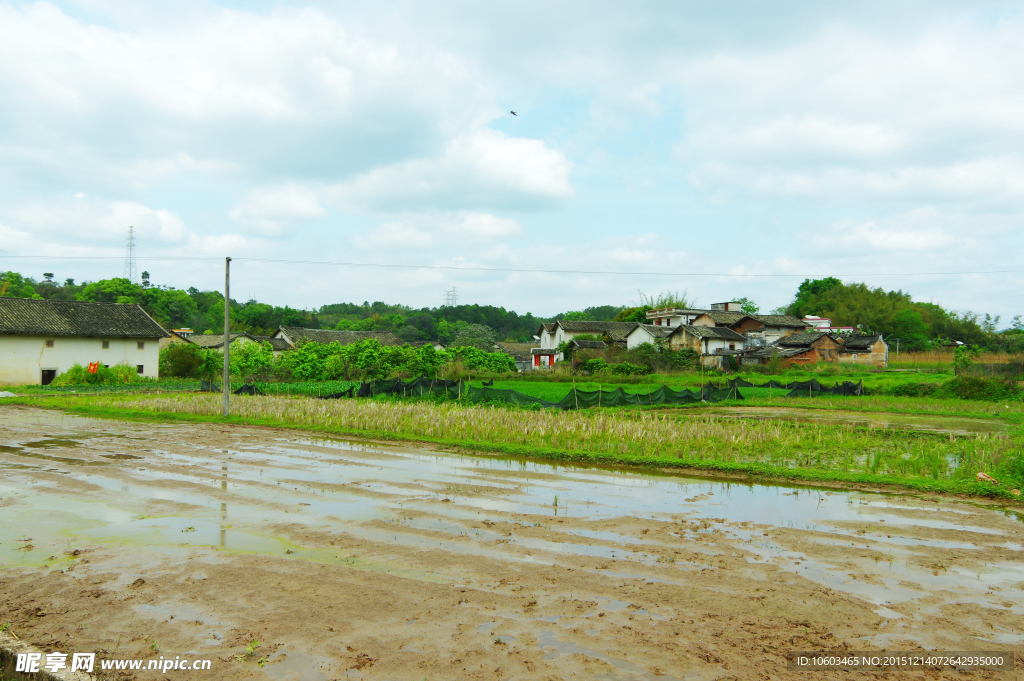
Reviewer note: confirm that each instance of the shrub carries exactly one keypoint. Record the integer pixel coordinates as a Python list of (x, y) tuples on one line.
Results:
[(629, 369), (76, 375), (79, 375), (592, 366), (914, 390), (978, 388), (181, 359)]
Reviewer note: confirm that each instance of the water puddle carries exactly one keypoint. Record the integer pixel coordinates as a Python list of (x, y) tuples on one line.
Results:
[(556, 648), (185, 494)]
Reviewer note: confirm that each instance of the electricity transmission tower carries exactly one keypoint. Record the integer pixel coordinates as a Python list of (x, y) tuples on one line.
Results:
[(129, 257), (451, 298)]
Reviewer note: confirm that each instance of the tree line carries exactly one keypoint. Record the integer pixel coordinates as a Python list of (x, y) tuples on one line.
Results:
[(894, 314)]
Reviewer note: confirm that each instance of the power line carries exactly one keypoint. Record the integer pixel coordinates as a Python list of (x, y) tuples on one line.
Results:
[(519, 270)]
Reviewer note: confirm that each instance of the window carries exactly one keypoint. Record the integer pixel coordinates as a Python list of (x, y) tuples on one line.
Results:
[(140, 368), (106, 345), (732, 346), (49, 344), (142, 346), (48, 374), (668, 322)]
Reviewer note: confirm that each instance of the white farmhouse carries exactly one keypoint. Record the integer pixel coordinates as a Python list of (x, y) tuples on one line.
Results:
[(40, 339), (647, 333)]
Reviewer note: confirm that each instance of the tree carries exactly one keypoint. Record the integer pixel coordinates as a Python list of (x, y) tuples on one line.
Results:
[(474, 336), (807, 291), (748, 306), (145, 280), (13, 285), (964, 356), (116, 290), (577, 316), (250, 359), (910, 328)]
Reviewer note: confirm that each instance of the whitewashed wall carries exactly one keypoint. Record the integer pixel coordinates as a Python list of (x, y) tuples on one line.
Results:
[(22, 358)]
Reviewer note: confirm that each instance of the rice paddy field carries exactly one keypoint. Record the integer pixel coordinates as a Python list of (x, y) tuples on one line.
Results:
[(824, 439)]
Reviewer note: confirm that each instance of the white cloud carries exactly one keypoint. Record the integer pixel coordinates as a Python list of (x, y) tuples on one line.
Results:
[(934, 114), (394, 236), (482, 168), (94, 220), (427, 230), (268, 210), (223, 91)]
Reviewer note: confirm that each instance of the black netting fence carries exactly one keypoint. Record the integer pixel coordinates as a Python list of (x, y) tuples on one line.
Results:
[(811, 388), (575, 399)]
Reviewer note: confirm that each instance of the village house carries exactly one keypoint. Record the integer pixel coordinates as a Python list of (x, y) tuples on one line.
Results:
[(174, 337), (673, 316), (215, 341), (522, 353), (577, 344), (544, 358), (711, 342), (820, 346), (869, 349), (718, 318), (294, 335), (758, 329), (554, 334), (825, 324), (647, 333), (826, 346), (41, 339), (773, 328), (787, 356)]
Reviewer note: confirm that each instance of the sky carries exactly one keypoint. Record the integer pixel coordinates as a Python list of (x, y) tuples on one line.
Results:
[(658, 147)]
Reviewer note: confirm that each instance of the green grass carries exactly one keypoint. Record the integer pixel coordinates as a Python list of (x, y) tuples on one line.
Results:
[(164, 385), (778, 449)]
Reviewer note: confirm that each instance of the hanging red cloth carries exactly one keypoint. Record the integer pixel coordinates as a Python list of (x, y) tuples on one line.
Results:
[(93, 367)]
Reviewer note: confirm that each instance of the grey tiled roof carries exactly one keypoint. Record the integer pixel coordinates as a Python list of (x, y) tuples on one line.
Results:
[(589, 344), (860, 342), (656, 331), (775, 351), (25, 316), (518, 351), (543, 351), (783, 320), (802, 339), (596, 327), (276, 344), (722, 318), (722, 332), (213, 340), (297, 334)]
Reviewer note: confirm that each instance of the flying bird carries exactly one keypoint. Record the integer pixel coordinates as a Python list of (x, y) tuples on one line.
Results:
[(513, 113)]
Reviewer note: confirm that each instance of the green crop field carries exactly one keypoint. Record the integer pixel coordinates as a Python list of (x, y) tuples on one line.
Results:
[(695, 438)]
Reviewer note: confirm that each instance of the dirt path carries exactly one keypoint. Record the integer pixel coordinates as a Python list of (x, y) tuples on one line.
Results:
[(348, 560)]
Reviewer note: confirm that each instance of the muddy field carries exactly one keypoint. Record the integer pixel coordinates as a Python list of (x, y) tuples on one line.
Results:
[(351, 560)]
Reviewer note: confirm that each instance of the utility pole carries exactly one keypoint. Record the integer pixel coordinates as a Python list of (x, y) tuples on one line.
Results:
[(226, 379)]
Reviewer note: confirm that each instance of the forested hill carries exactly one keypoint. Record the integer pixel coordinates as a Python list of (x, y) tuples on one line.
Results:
[(203, 311), (892, 313)]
